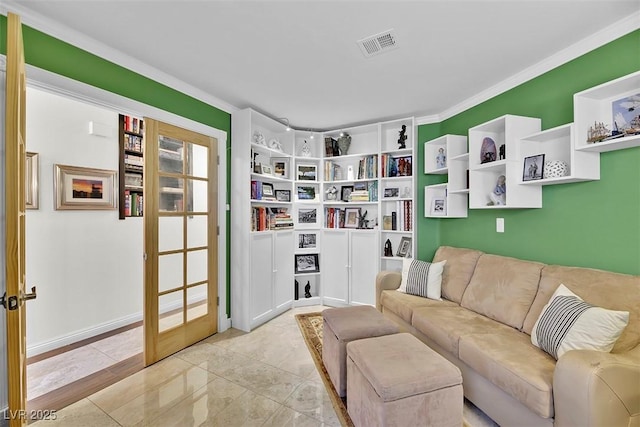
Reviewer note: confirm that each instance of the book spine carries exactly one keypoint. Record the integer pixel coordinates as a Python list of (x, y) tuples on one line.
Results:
[(394, 221)]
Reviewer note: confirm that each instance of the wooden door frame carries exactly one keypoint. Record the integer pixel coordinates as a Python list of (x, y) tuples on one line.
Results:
[(72, 89)]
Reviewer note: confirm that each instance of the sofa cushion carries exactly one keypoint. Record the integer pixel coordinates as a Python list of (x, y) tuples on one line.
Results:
[(402, 304), (509, 360), (445, 325), (613, 291), (421, 278), (503, 288), (458, 271), (568, 323)]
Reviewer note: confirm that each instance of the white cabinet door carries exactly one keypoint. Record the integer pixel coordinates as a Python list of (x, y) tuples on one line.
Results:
[(364, 258), (261, 276), (334, 265), (283, 265)]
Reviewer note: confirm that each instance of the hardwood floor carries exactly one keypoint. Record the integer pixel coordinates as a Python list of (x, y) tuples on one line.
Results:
[(60, 377)]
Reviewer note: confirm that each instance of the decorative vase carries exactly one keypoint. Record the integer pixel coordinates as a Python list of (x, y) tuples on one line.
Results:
[(344, 142), (555, 169), (306, 150)]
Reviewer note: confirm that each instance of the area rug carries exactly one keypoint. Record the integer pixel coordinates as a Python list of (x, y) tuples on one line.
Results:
[(311, 326)]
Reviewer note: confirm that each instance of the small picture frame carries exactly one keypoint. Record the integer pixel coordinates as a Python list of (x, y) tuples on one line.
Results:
[(266, 170), (533, 168), (391, 192), (306, 172), (280, 167), (31, 173), (351, 217), (307, 217), (438, 207), (345, 193), (306, 192), (306, 263), (307, 240), (267, 190), (404, 248), (283, 195)]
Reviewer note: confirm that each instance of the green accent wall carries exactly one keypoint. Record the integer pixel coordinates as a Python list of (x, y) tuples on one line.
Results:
[(589, 224), (51, 54)]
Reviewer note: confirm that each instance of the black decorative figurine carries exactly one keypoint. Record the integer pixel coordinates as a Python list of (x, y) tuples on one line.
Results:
[(307, 290), (295, 291), (502, 152), (403, 137), (387, 248)]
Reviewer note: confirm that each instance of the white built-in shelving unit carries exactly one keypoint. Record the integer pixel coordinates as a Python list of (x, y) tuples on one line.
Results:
[(452, 197), (348, 254)]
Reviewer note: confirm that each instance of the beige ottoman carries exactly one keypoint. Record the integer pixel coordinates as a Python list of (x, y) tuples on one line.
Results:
[(397, 380), (343, 325)]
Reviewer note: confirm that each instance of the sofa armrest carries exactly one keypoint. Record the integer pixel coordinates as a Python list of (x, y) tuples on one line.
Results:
[(386, 280), (593, 388)]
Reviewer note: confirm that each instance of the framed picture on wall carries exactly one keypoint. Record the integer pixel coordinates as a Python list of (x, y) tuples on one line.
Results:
[(84, 188)]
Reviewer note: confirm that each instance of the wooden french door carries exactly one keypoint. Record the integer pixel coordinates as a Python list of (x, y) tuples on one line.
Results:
[(15, 296), (181, 239)]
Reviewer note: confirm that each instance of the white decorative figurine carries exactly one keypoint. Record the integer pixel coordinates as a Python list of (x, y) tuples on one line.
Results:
[(441, 159), (499, 194)]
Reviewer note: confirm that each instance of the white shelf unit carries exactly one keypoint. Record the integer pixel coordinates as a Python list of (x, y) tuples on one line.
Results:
[(406, 192), (596, 105), (262, 283), (557, 144), (483, 177), (453, 146), (454, 194)]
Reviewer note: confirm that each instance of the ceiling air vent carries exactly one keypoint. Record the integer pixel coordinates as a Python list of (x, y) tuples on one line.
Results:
[(378, 43)]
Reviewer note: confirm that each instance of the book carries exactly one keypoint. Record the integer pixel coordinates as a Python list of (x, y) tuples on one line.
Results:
[(387, 222)]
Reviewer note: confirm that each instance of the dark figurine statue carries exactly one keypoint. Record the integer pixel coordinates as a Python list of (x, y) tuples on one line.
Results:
[(403, 137), (387, 248), (307, 290), (295, 291), (502, 152)]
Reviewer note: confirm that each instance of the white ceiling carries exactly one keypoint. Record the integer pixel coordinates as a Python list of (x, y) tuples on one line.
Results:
[(299, 59)]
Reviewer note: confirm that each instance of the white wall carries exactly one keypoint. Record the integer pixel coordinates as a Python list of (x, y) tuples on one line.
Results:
[(87, 265)]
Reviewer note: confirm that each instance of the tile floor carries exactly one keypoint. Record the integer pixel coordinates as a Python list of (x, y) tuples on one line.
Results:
[(263, 378)]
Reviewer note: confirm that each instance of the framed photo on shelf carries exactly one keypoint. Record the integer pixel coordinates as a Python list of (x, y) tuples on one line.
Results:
[(404, 248), (266, 170), (351, 217), (307, 240), (405, 166), (280, 167), (345, 192), (84, 188), (308, 217), (31, 196), (307, 263), (438, 207), (267, 191), (306, 172), (306, 192), (533, 167), (283, 195), (391, 192)]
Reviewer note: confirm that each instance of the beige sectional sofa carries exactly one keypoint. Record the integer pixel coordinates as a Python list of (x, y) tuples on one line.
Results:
[(484, 323)]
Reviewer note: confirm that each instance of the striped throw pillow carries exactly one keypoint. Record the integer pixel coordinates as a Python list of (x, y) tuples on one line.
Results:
[(568, 323), (422, 278)]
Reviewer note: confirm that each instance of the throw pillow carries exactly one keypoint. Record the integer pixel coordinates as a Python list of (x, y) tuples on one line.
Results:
[(422, 278), (568, 323)]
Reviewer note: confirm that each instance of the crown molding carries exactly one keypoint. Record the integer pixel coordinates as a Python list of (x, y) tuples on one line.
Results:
[(600, 38), (82, 41)]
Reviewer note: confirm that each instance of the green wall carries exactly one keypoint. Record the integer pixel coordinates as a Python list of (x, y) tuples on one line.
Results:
[(590, 224), (54, 55)]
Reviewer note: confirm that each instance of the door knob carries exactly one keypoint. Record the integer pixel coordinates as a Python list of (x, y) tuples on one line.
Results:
[(29, 296)]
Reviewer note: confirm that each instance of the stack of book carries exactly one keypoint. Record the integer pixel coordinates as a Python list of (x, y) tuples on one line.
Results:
[(360, 196), (133, 162), (280, 219)]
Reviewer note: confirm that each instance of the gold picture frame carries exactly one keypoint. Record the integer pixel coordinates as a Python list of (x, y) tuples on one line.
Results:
[(31, 176), (79, 188)]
